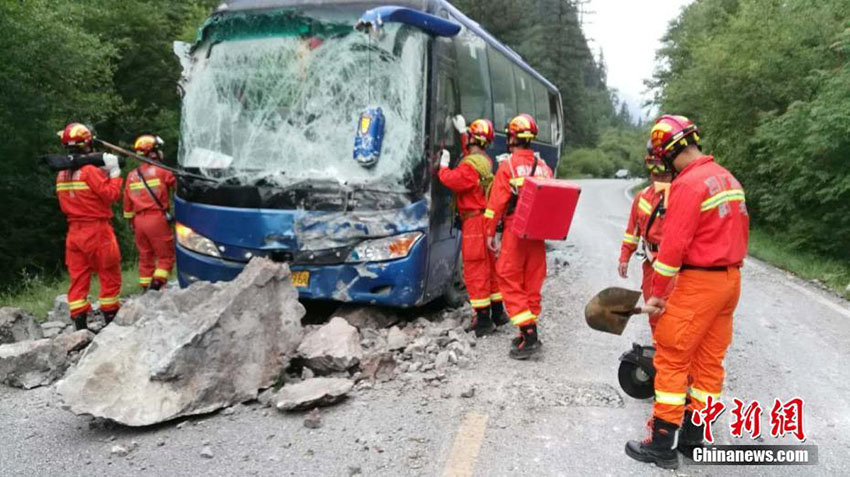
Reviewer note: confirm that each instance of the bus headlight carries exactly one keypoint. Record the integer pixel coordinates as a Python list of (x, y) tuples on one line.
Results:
[(387, 248), (194, 241)]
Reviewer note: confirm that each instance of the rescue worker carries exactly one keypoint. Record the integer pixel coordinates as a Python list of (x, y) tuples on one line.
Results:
[(471, 181), (521, 263), (85, 197), (146, 205), (705, 240), (645, 224)]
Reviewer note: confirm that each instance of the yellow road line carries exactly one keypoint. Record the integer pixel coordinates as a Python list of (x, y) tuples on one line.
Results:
[(466, 446)]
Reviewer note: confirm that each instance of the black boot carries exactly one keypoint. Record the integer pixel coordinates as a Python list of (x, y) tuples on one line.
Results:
[(108, 316), (690, 437), (497, 313), (483, 324), (527, 345), (81, 322), (658, 448), (157, 284)]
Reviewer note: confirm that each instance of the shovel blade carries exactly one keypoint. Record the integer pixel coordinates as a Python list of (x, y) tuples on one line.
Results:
[(610, 309)]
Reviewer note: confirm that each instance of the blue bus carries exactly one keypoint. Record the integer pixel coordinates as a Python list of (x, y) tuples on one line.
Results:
[(273, 93)]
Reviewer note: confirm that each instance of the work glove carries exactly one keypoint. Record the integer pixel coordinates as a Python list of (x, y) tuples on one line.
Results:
[(445, 158), (110, 165), (460, 123)]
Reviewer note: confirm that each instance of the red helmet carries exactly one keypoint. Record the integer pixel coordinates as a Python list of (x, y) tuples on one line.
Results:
[(147, 143), (523, 127), (75, 134), (481, 131), (671, 135)]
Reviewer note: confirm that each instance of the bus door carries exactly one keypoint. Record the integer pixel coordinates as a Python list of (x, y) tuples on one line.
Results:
[(444, 233)]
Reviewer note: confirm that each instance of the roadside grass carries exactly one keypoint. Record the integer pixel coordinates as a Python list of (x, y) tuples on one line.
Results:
[(835, 274), (36, 293)]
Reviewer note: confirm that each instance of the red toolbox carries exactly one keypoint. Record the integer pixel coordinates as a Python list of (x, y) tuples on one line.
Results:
[(545, 209)]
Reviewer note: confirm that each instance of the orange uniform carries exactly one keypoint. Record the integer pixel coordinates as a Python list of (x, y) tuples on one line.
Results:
[(638, 228), (153, 235), (85, 196), (705, 236), (521, 266), (479, 264)]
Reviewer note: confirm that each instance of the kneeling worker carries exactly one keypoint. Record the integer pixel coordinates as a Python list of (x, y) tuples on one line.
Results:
[(471, 181), (146, 202)]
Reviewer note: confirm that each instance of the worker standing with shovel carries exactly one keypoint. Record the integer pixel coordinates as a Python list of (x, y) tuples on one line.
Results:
[(705, 242)]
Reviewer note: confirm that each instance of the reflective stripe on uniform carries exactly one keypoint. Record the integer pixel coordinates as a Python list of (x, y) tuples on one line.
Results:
[(481, 303), (71, 185), (129, 215), (489, 214), (629, 238), (145, 280), (160, 273), (702, 396), (522, 318), (140, 185), (496, 297), (108, 300), (665, 270), (674, 399), (77, 304), (645, 206), (731, 195)]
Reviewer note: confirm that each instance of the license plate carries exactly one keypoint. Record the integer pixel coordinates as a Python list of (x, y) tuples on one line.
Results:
[(301, 279)]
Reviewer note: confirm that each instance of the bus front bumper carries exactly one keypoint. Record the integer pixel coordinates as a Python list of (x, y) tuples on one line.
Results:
[(397, 283)]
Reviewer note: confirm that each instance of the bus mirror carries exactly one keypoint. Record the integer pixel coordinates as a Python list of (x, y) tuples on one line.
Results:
[(373, 20)]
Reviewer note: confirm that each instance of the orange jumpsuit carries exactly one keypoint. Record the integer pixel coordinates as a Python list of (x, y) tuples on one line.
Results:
[(642, 207), (705, 242), (479, 264), (521, 266), (85, 196), (153, 235)]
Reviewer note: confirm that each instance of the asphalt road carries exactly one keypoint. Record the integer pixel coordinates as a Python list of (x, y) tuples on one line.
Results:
[(561, 415)]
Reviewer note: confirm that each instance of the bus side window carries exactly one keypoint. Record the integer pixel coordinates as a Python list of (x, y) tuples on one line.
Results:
[(524, 95), (557, 117), (447, 108), (504, 96), (542, 113), (474, 78)]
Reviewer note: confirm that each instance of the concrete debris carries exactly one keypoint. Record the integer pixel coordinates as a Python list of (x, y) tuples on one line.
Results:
[(333, 347), (207, 453), (397, 339), (190, 351), (468, 392), (17, 325), (313, 420), (119, 450), (442, 360), (363, 317), (380, 367), (312, 393)]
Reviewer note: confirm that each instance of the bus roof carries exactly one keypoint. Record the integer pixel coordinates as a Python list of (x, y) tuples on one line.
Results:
[(430, 6)]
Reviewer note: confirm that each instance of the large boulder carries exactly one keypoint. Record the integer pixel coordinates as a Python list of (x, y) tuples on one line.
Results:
[(190, 351), (311, 393), (33, 363), (333, 347), (17, 325)]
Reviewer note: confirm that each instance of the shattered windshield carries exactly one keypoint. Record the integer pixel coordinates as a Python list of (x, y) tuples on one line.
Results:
[(282, 105)]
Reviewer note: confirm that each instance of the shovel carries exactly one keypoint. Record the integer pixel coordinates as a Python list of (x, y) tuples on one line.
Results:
[(610, 309)]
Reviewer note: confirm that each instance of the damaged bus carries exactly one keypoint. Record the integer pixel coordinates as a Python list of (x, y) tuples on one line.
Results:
[(318, 125)]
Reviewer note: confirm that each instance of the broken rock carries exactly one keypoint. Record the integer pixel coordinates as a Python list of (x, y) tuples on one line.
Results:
[(61, 311), (53, 328), (331, 348), (397, 339), (380, 367), (29, 364), (187, 354), (363, 317), (17, 325), (312, 393)]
